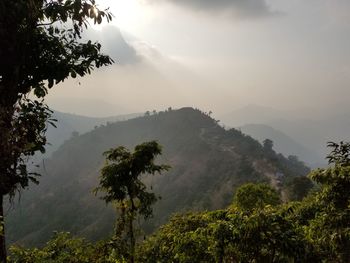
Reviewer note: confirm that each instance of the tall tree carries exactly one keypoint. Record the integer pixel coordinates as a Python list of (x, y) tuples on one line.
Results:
[(121, 182), (40, 46), (330, 230)]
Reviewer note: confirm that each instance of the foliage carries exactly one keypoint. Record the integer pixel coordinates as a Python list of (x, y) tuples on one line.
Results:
[(40, 46), (330, 229), (276, 238), (251, 230), (293, 166), (27, 137), (265, 235), (121, 181), (268, 145), (340, 154), (314, 230), (181, 240), (255, 196), (298, 187), (62, 248)]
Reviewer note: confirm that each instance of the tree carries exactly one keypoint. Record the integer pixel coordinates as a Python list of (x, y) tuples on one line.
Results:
[(121, 181), (329, 231), (268, 145), (255, 196), (266, 235), (62, 248), (183, 239), (261, 235), (40, 46), (298, 188)]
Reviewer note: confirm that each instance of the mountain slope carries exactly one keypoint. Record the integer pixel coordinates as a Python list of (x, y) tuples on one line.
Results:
[(208, 164), (316, 133), (68, 123), (282, 142), (310, 128)]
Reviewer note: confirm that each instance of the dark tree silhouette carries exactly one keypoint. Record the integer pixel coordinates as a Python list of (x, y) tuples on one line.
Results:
[(40, 46)]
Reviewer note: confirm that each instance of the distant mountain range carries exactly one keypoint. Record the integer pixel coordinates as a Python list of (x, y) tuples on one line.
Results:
[(309, 130), (70, 124), (282, 142), (208, 164)]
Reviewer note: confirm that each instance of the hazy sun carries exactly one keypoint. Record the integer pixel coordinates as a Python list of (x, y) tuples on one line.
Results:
[(128, 14)]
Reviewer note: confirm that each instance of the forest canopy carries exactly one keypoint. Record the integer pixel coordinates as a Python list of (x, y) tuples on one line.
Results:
[(315, 229)]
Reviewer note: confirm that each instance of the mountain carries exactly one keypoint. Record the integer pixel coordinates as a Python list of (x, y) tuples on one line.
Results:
[(282, 142), (311, 129), (315, 133), (208, 164), (114, 44), (70, 124)]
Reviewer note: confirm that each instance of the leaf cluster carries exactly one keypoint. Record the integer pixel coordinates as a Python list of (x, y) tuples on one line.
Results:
[(121, 176), (27, 136), (251, 196), (40, 46), (62, 248)]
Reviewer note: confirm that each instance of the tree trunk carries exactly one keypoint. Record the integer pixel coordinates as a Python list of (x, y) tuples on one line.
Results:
[(131, 227), (132, 242), (221, 253), (131, 230), (2, 232)]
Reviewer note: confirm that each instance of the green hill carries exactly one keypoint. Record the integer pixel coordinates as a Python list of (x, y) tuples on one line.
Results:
[(68, 124), (208, 164)]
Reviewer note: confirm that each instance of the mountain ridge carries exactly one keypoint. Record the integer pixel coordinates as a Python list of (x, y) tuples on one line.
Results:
[(208, 164)]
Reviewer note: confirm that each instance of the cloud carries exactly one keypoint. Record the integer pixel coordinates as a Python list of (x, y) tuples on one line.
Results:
[(233, 8), (114, 44)]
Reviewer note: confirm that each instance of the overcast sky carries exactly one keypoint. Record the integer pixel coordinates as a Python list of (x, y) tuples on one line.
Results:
[(217, 55)]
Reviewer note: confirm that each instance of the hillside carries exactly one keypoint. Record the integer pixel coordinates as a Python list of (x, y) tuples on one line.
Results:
[(314, 134), (68, 123), (309, 128), (282, 142), (208, 164)]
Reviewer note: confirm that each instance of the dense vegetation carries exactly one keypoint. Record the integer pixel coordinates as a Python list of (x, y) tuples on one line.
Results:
[(40, 46), (251, 229), (208, 164)]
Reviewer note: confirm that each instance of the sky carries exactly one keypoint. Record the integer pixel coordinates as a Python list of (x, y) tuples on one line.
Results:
[(216, 55)]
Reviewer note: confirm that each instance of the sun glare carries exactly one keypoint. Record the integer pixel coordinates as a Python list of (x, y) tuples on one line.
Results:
[(128, 14)]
